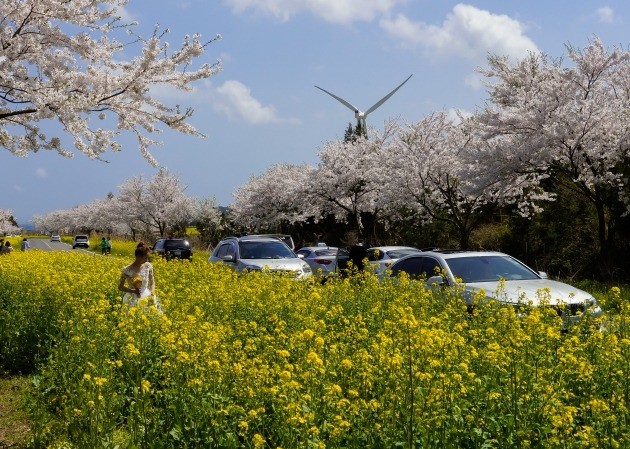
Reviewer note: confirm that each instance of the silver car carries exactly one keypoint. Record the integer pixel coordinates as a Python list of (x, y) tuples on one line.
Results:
[(500, 276), (257, 253), (321, 259), (382, 257)]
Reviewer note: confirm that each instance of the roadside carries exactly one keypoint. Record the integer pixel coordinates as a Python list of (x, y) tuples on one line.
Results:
[(15, 427)]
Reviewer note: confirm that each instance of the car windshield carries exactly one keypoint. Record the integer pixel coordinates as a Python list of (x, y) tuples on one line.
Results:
[(80, 237), (489, 269), (265, 250)]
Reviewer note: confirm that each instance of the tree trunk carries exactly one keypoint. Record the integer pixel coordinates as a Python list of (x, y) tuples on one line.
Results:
[(604, 239)]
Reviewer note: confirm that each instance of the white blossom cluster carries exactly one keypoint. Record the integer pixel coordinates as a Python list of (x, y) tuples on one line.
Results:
[(65, 61), (153, 206)]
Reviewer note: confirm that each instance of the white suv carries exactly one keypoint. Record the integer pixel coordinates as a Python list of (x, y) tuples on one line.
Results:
[(80, 241)]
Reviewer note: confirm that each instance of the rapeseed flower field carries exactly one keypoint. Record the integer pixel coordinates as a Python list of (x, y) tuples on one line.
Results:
[(261, 361)]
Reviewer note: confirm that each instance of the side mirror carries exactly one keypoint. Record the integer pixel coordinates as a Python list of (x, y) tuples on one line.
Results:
[(435, 280), (301, 256), (543, 275), (228, 258)]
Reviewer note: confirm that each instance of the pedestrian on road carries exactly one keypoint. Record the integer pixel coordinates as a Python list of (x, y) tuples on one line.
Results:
[(25, 244)]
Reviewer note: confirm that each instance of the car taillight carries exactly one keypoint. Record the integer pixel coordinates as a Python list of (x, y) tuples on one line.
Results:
[(323, 261)]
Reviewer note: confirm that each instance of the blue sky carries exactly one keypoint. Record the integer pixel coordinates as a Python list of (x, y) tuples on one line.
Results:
[(263, 107)]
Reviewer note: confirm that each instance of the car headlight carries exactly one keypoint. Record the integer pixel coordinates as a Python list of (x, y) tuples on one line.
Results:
[(251, 267)]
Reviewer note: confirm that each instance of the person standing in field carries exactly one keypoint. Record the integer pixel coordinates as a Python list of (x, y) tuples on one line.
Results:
[(25, 244), (109, 246), (103, 245), (137, 280), (6, 248)]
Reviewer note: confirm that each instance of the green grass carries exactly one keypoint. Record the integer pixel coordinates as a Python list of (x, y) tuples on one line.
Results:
[(15, 428)]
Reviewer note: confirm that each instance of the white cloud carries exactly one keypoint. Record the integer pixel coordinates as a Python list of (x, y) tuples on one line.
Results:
[(467, 31), (17, 188), (605, 14), (235, 100), (475, 80), (339, 11), (41, 172), (124, 14)]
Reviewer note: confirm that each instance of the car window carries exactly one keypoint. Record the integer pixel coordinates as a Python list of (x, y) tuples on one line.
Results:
[(224, 250), (159, 245), (375, 254), (489, 269), (430, 267), (411, 266), (418, 267), (264, 250), (326, 252), (176, 244)]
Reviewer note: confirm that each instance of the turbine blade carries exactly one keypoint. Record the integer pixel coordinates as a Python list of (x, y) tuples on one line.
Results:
[(341, 100), (386, 97)]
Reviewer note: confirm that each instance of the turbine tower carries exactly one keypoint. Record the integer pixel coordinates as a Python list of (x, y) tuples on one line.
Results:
[(360, 115)]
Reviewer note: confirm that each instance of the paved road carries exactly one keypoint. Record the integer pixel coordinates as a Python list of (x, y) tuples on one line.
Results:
[(47, 245)]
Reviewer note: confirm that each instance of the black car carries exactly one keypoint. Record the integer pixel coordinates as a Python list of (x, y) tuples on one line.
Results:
[(173, 248)]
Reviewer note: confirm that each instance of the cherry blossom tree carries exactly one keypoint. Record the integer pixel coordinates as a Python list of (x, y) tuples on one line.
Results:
[(348, 180), (273, 199), (160, 203), (8, 225), (65, 61), (566, 124), (208, 219)]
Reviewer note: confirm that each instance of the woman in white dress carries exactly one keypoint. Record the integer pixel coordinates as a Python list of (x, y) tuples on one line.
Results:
[(136, 279)]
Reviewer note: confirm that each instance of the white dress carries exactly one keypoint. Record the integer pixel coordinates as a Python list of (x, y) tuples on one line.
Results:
[(143, 277)]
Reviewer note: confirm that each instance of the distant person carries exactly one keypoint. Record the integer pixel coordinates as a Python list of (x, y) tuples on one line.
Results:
[(109, 246), (6, 248), (25, 244), (137, 280), (103, 245), (358, 252)]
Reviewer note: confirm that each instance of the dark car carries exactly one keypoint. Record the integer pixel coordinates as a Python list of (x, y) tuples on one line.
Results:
[(173, 248)]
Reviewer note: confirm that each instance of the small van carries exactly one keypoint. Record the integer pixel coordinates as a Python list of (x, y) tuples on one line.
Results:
[(80, 241)]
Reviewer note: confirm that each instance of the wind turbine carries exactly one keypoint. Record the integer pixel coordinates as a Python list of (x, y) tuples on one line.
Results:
[(359, 115)]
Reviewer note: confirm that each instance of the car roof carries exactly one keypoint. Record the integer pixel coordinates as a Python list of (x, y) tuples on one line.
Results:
[(392, 247), (262, 238), (460, 253)]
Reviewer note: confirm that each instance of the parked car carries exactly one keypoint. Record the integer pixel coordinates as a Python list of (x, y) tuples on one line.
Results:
[(80, 241), (171, 248), (258, 253), (499, 275), (321, 259), (55, 238), (382, 257)]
